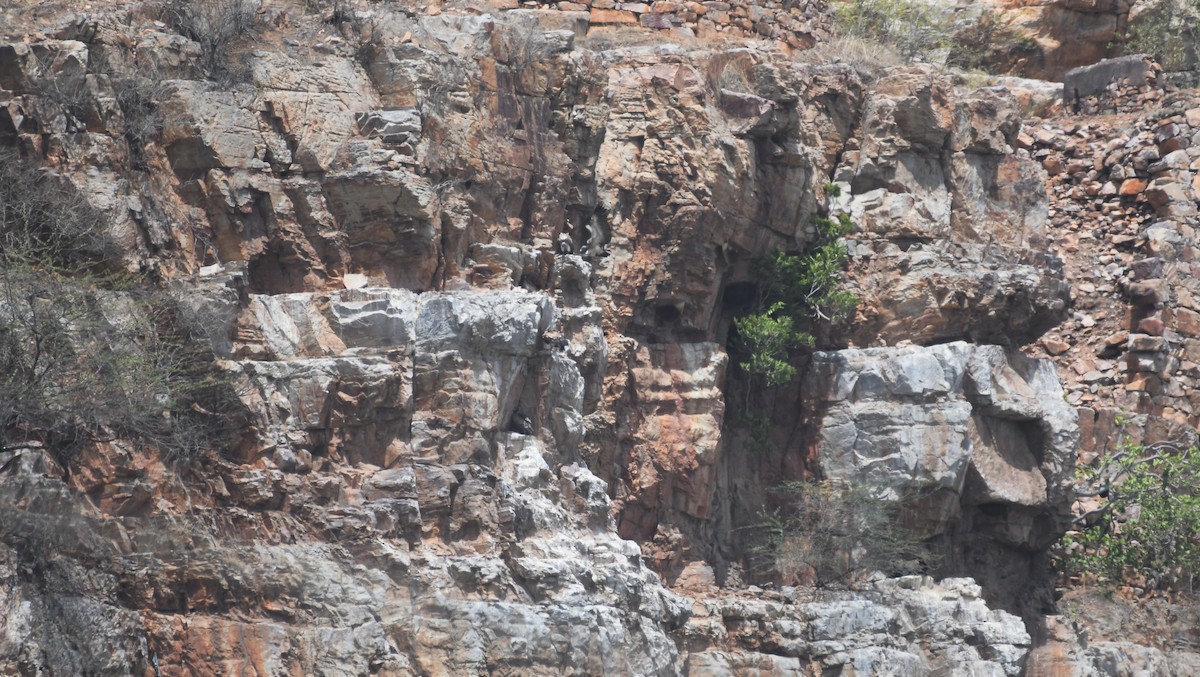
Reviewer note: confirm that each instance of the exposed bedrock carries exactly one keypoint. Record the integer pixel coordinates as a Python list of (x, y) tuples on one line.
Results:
[(982, 435), (473, 288), (952, 222)]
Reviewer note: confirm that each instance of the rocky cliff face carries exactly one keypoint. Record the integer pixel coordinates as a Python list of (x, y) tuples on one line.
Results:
[(1129, 349), (473, 281)]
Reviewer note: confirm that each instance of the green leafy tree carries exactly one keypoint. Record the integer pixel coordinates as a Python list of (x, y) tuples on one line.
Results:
[(1147, 526), (795, 291), (769, 337)]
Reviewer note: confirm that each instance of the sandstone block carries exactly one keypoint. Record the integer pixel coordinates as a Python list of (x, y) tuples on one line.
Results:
[(1131, 187), (603, 17), (1186, 321), (1054, 347)]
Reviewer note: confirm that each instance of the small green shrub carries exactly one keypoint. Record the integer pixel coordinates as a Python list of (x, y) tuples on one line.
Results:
[(807, 283), (913, 28), (1168, 31), (829, 533), (757, 427), (1148, 525), (795, 291)]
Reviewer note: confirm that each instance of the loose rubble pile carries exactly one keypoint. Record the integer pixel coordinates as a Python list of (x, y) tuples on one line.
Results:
[(1123, 186), (1123, 193), (1125, 85), (800, 25)]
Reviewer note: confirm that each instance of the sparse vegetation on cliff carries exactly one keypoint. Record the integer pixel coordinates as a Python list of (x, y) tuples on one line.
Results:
[(139, 96), (794, 291), (912, 28), (43, 220), (215, 25), (1145, 529), (1168, 30), (85, 352), (992, 43), (828, 533)]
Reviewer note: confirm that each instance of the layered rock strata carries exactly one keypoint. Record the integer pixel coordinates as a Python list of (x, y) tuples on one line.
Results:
[(473, 283)]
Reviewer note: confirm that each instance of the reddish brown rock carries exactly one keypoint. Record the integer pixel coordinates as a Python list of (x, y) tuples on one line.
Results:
[(1054, 346), (601, 17), (1185, 321), (1132, 187), (1119, 339), (1151, 325)]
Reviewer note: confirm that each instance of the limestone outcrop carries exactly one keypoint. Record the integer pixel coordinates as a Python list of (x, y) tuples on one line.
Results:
[(472, 282), (966, 414), (871, 633), (982, 434)]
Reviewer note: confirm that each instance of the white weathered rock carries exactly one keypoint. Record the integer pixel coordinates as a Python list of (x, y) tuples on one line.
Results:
[(1115, 659), (946, 414), (906, 627)]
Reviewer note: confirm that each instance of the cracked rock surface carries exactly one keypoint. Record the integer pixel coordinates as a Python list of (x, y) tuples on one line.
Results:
[(474, 284)]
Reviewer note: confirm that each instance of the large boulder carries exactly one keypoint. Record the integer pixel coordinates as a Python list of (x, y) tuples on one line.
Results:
[(986, 424)]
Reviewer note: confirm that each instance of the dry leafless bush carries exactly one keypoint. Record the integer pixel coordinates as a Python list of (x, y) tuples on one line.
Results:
[(83, 354), (915, 29), (870, 59), (830, 533), (43, 218), (217, 26), (139, 93), (68, 91), (140, 98), (364, 32), (993, 42), (81, 364)]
